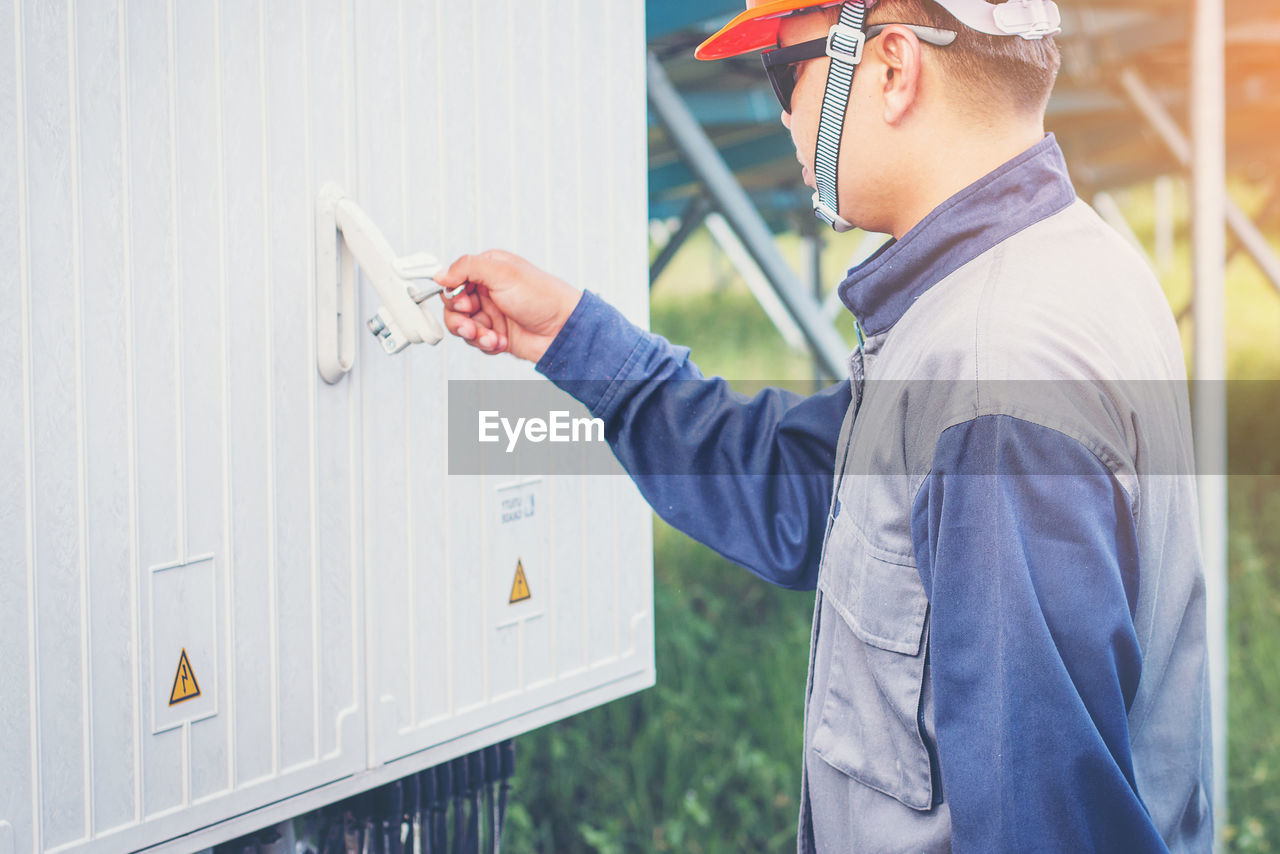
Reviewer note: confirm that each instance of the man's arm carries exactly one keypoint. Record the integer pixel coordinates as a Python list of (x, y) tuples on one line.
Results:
[(1027, 548), (749, 477)]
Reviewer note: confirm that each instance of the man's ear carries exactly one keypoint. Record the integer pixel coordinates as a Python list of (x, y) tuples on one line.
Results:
[(899, 51)]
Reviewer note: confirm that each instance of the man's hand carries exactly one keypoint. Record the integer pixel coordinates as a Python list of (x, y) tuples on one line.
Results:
[(509, 305)]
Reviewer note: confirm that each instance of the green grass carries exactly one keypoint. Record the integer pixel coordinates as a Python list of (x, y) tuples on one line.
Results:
[(708, 761), (1254, 754), (704, 762)]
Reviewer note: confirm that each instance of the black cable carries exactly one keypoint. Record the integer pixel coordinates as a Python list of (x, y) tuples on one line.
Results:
[(507, 770), (444, 780), (427, 787), (395, 819), (491, 814), (445, 777), (331, 837), (350, 828), (371, 835), (381, 819), (368, 834), (460, 787), (492, 771), (475, 768), (411, 821)]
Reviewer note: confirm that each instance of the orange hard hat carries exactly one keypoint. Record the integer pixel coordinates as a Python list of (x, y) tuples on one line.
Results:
[(756, 28)]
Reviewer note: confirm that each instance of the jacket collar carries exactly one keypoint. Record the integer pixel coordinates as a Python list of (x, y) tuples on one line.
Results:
[(1030, 187)]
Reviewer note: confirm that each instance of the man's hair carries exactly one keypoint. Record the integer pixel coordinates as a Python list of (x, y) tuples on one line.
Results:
[(991, 72)]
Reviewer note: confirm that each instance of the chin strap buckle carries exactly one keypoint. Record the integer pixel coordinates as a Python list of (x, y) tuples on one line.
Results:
[(830, 217), (845, 43)]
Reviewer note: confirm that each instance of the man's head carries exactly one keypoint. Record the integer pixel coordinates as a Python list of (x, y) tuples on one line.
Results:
[(927, 112)]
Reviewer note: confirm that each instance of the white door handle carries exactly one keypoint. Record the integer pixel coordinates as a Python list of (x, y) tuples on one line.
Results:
[(346, 237)]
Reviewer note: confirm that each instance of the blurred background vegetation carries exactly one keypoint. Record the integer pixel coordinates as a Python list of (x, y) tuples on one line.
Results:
[(709, 759)]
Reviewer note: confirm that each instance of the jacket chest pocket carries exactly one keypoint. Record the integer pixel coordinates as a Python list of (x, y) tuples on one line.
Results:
[(871, 725)]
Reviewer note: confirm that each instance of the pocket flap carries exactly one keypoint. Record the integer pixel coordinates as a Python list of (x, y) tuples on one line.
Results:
[(884, 603), (871, 724)]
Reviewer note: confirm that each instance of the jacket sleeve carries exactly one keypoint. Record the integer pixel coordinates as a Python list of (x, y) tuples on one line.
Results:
[(1027, 547), (750, 477)]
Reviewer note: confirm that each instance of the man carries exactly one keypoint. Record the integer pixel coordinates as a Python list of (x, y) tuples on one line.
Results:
[(1008, 639)]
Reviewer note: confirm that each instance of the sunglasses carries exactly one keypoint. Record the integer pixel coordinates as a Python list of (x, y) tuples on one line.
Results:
[(782, 64)]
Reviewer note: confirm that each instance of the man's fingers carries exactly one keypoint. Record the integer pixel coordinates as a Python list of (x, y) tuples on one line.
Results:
[(477, 330), (491, 310), (475, 318), (488, 336), (459, 325), (460, 304), (465, 326)]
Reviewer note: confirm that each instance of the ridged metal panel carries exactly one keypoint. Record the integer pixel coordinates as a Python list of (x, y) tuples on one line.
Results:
[(171, 456), (512, 145)]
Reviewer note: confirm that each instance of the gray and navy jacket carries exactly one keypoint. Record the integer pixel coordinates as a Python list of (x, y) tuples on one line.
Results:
[(997, 513)]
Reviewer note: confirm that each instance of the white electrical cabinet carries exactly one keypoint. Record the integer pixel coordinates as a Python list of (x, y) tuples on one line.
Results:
[(230, 591)]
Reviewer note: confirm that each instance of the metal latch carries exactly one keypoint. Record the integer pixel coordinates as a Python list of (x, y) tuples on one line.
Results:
[(346, 237)]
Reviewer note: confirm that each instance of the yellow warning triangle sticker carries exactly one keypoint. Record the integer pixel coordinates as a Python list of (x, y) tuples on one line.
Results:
[(520, 586), (185, 686)]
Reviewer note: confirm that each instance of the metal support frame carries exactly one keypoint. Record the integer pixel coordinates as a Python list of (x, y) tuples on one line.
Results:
[(739, 155), (1266, 214), (740, 257), (1208, 241), (1249, 235), (732, 202), (690, 218)]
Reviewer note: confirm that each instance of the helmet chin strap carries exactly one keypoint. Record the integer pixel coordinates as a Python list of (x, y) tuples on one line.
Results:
[(845, 41)]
